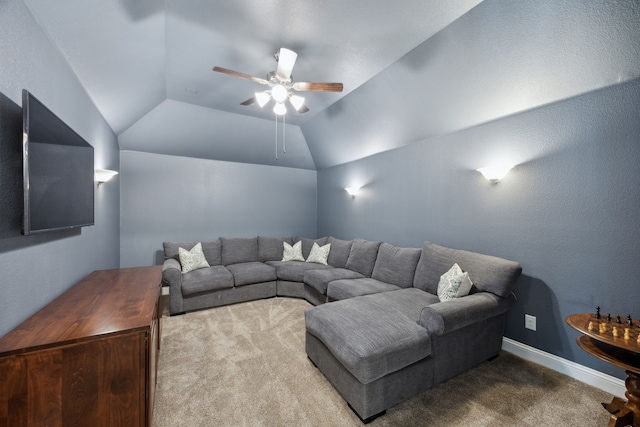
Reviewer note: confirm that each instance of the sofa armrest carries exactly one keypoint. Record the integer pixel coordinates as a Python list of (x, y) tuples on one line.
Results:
[(444, 317), (172, 277), (171, 272)]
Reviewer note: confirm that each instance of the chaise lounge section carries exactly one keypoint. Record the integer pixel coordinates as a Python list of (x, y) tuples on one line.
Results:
[(382, 348)]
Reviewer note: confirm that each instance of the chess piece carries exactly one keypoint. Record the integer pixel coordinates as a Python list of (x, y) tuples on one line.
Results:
[(629, 321), (616, 332), (627, 333), (597, 312), (609, 317), (603, 328), (618, 320), (591, 326)]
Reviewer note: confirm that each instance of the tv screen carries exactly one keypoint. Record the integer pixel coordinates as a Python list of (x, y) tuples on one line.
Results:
[(58, 172)]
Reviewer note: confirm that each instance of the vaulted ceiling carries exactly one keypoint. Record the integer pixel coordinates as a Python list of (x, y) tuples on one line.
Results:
[(410, 70), (147, 64)]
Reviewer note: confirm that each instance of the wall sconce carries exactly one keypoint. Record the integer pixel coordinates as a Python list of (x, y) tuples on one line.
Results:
[(494, 173), (353, 191), (104, 175)]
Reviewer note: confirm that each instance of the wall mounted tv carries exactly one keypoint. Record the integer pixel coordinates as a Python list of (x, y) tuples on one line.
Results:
[(58, 172)]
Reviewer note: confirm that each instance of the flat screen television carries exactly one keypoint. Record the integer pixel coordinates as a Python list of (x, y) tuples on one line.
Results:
[(58, 172)]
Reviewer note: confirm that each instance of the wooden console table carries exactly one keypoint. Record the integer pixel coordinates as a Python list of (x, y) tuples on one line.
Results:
[(616, 341), (89, 357)]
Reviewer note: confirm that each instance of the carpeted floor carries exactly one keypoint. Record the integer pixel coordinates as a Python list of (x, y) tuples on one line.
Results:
[(245, 365)]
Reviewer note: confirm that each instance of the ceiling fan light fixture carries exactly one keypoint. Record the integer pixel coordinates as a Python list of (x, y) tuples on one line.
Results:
[(262, 98), (279, 93), (280, 109), (296, 101)]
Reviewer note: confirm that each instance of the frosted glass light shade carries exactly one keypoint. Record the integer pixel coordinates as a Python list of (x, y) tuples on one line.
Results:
[(279, 93), (262, 98), (296, 101), (280, 109)]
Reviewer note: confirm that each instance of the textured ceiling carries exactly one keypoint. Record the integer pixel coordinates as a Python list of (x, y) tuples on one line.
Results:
[(134, 56)]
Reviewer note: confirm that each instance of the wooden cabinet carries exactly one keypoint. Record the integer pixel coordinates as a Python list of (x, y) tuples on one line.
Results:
[(88, 358)]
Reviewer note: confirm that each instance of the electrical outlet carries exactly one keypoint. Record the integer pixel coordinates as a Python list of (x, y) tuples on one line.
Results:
[(530, 322)]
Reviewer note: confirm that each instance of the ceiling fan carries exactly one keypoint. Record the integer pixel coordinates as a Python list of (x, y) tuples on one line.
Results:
[(281, 85)]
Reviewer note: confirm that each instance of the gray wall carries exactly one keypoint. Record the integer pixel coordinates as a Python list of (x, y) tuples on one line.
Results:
[(186, 199), (568, 211), (37, 268)]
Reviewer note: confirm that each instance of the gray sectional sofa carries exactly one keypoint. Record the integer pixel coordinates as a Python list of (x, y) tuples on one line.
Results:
[(384, 335)]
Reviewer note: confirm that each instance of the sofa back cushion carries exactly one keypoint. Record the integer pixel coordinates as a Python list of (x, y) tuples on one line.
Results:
[(396, 265), (307, 244), (362, 256), (488, 273), (239, 249), (212, 250), (271, 248), (339, 253)]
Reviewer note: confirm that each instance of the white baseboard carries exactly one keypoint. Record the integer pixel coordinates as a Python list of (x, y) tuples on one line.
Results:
[(574, 370)]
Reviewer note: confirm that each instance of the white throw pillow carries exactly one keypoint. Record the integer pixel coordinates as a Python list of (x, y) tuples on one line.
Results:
[(454, 284), (193, 259), (292, 253), (319, 254)]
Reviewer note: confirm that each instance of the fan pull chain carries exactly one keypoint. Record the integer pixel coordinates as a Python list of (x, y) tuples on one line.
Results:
[(284, 128), (276, 137)]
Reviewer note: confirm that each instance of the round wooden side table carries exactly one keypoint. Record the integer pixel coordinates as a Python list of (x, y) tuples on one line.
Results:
[(615, 341)]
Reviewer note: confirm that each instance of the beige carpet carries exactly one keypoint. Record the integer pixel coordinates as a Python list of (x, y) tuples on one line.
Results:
[(245, 365)]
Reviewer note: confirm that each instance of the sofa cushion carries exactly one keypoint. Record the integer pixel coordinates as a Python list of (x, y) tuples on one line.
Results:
[(343, 289), (339, 253), (488, 273), (206, 280), (193, 259), (248, 273), (270, 248), (372, 336), (362, 256), (319, 279), (212, 250), (307, 244), (396, 265), (293, 271), (239, 249), (319, 254)]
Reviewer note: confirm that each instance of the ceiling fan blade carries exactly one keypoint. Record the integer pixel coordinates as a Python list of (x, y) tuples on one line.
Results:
[(241, 75), (303, 109), (318, 87), (286, 61), (249, 101)]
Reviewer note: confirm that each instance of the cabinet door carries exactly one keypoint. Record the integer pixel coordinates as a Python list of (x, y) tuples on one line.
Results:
[(94, 383)]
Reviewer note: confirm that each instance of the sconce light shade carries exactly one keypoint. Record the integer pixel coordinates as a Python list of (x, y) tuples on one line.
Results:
[(353, 191), (104, 175), (495, 173)]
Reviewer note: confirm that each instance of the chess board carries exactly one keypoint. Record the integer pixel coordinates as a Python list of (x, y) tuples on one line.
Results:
[(615, 330)]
